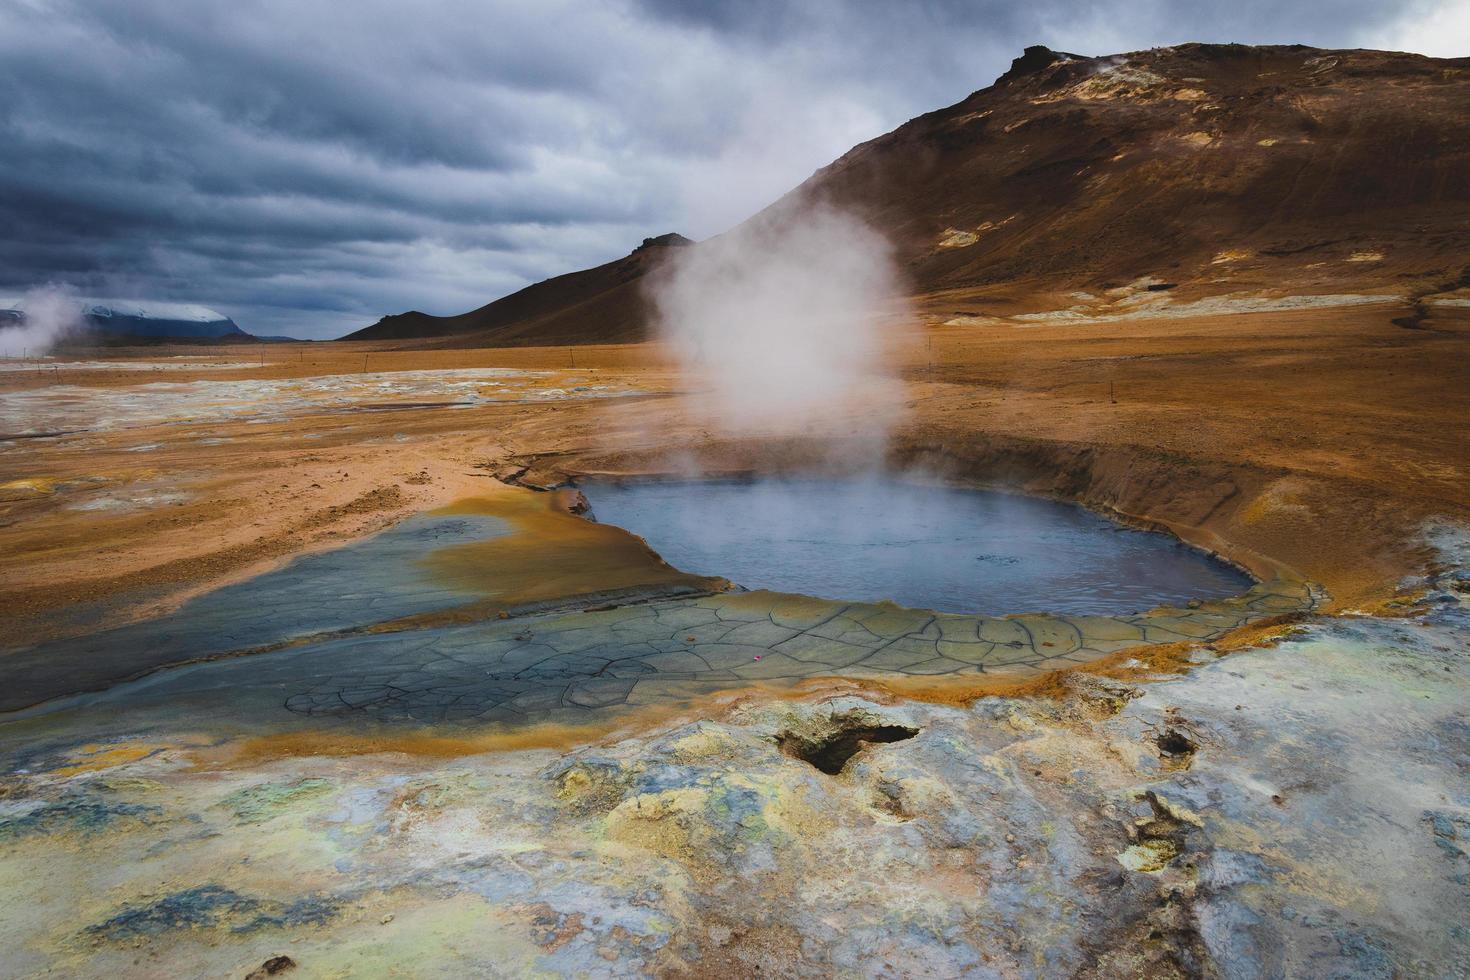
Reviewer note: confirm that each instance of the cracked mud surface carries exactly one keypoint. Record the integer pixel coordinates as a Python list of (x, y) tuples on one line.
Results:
[(665, 650), (343, 633)]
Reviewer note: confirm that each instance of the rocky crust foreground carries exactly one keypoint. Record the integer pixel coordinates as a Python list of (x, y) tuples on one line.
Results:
[(1237, 820)]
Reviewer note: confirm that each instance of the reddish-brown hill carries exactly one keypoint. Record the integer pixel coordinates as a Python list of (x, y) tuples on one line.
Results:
[(1201, 168), (1221, 166)]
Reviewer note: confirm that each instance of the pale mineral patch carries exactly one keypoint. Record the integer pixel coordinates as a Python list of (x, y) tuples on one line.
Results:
[(1148, 856), (181, 362), (1119, 81), (1162, 307), (70, 407)]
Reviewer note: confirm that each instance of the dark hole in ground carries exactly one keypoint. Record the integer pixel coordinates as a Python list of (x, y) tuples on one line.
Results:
[(272, 967), (1175, 743), (830, 754)]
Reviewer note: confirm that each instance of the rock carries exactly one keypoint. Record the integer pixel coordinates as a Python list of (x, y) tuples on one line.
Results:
[(271, 967), (587, 786)]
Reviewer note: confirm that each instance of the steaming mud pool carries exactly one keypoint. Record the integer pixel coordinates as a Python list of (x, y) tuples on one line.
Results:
[(924, 547)]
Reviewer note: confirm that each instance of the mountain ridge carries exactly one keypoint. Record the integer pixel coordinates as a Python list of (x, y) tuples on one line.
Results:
[(550, 311), (1200, 170), (114, 322)]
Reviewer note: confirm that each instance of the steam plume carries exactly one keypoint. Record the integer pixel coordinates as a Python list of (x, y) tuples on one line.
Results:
[(51, 312), (779, 322)]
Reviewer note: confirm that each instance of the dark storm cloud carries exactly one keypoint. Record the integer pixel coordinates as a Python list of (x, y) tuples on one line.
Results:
[(308, 166)]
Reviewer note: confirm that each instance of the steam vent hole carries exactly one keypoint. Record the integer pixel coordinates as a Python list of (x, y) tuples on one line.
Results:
[(831, 751), (1176, 744)]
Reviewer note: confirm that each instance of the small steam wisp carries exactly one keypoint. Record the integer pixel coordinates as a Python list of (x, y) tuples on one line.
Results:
[(778, 324)]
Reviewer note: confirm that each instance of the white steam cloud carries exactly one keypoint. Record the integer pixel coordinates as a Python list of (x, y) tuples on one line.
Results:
[(778, 324), (50, 313)]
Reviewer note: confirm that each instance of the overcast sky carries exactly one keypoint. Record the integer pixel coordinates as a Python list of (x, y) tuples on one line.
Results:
[(307, 166)]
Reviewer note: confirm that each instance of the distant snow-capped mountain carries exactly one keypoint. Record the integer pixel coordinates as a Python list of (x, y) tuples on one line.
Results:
[(140, 318)]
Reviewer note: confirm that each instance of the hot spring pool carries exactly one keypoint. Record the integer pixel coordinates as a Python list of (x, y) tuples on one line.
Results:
[(950, 550)]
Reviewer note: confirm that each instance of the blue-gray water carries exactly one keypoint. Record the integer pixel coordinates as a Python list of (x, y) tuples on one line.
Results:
[(370, 581), (925, 547)]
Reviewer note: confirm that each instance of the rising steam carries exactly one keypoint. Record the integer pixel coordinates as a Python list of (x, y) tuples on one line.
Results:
[(778, 324), (50, 313)]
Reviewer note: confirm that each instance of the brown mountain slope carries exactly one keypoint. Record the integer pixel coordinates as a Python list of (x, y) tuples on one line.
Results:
[(1220, 167), (600, 305), (1087, 186)]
